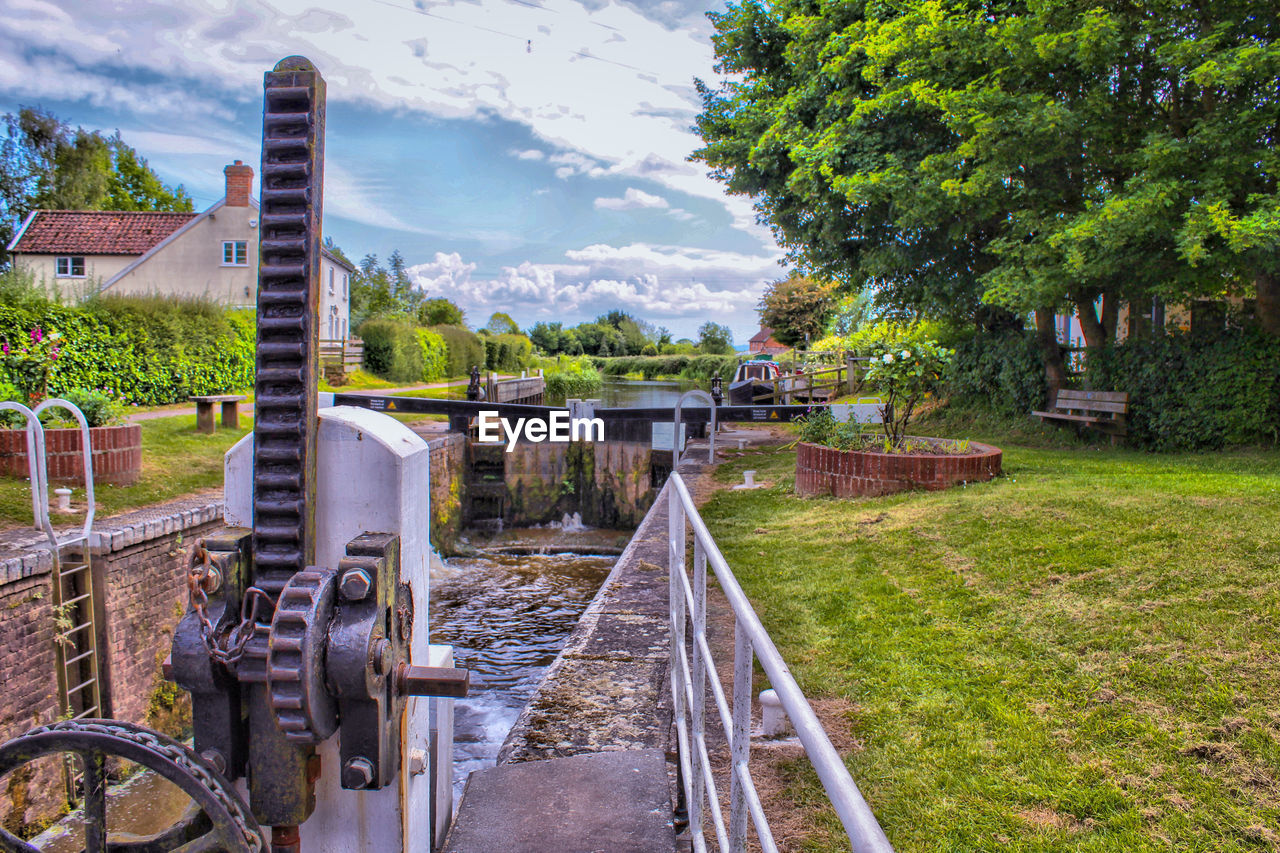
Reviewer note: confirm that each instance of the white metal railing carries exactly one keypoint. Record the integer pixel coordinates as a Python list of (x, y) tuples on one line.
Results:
[(690, 679), (676, 447)]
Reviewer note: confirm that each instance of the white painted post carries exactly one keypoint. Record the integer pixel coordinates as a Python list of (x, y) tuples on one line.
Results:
[(372, 475), (64, 499), (773, 718)]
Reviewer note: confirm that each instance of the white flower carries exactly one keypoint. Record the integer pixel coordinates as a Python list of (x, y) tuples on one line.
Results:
[(888, 358), (906, 353)]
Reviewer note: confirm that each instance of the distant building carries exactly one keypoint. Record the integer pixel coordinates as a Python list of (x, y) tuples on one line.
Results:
[(763, 341), (211, 255)]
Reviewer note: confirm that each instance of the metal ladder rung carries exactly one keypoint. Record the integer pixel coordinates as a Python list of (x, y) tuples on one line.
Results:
[(67, 633), (86, 712), (82, 685), (76, 600), (68, 572), (78, 657)]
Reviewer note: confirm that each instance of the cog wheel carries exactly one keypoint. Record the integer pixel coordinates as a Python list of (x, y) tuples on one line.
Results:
[(218, 820), (305, 710)]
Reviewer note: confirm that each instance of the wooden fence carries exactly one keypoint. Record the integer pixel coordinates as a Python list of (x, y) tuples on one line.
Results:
[(345, 355)]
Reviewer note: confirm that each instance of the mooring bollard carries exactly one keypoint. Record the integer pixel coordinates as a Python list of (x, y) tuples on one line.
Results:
[(64, 499), (773, 719)]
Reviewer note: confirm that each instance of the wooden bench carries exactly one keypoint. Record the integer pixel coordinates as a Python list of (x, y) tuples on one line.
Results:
[(230, 411), (1101, 410)]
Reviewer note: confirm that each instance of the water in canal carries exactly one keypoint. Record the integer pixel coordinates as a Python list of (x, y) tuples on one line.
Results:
[(507, 611), (643, 393)]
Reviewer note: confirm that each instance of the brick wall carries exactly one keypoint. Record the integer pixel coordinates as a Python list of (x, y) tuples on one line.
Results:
[(850, 473), (139, 564), (30, 691)]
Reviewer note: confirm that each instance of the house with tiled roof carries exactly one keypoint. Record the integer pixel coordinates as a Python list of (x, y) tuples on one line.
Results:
[(763, 341), (208, 255)]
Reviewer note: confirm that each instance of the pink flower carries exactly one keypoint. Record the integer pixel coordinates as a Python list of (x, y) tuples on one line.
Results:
[(5, 347), (37, 334)]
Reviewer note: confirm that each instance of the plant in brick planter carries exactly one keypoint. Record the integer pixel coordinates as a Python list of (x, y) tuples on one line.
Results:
[(841, 460), (116, 448)]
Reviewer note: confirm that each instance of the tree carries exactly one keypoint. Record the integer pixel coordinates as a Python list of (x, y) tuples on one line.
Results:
[(715, 339), (797, 307), (547, 337), (440, 312), (44, 164), (1024, 157), (501, 324)]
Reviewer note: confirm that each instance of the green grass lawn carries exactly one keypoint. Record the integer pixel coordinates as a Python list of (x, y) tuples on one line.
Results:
[(1080, 655), (176, 460)]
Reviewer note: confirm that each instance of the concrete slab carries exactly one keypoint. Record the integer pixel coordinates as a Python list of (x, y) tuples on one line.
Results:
[(610, 802)]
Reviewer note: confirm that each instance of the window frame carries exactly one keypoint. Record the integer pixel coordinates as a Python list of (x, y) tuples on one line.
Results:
[(234, 245), (71, 266)]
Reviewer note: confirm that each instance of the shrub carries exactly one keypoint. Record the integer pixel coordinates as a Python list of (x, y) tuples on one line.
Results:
[(100, 408), (904, 374), (435, 354), (1190, 391), (391, 349), (507, 352), (573, 377), (465, 349), (144, 350), (1001, 372)]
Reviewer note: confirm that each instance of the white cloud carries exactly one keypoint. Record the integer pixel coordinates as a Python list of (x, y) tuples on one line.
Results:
[(531, 154), (632, 199), (670, 285), (610, 106)]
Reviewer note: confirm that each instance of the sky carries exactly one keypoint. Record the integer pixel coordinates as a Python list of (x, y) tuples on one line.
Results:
[(525, 156)]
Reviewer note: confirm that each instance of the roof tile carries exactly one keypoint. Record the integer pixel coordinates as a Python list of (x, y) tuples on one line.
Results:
[(98, 232)]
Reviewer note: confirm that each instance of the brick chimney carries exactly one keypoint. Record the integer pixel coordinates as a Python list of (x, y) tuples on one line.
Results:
[(239, 184)]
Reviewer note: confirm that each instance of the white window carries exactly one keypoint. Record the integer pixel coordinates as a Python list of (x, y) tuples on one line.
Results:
[(331, 281), (69, 266), (344, 285), (235, 253)]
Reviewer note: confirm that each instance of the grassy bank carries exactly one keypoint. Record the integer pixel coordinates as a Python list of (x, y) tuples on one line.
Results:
[(176, 460), (1077, 656)]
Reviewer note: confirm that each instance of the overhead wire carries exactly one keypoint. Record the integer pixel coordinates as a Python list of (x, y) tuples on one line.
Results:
[(584, 54)]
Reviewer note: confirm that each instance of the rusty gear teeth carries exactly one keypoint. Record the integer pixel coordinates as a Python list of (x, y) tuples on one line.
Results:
[(304, 708)]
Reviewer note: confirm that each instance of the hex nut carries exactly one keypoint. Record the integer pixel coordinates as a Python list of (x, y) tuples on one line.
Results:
[(357, 773), (355, 584), (381, 656)]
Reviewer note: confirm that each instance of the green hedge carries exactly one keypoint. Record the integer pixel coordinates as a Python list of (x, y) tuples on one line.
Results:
[(435, 354), (573, 377), (391, 349), (1001, 372), (465, 349), (1195, 391), (699, 368), (506, 352), (145, 350)]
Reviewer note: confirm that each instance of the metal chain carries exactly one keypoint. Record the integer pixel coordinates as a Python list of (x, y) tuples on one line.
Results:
[(201, 580), (176, 754)]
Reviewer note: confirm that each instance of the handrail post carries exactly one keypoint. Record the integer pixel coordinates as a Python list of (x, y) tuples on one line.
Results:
[(699, 671), (740, 749), (676, 611)]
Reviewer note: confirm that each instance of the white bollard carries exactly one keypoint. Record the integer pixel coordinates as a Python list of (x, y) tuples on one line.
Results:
[(749, 479), (64, 499), (773, 720), (742, 444)]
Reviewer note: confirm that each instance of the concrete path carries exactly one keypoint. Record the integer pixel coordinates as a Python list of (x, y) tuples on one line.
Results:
[(609, 802)]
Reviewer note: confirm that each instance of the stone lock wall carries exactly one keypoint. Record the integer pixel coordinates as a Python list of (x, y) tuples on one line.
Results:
[(139, 573), (448, 462)]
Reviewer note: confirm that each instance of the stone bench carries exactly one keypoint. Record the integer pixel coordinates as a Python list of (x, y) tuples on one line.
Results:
[(230, 411)]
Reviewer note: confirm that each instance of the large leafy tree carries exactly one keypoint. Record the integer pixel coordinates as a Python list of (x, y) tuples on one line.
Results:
[(797, 307), (955, 157), (45, 164)]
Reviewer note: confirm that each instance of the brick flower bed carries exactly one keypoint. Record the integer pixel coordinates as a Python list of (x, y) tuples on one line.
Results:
[(850, 473), (117, 454)]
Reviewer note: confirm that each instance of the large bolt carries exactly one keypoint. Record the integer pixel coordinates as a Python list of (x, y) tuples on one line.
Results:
[(381, 656), (355, 584), (357, 773)]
